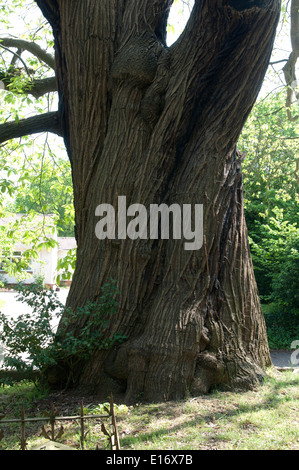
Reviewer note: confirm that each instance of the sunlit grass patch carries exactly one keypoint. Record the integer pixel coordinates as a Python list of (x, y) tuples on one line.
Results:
[(266, 418)]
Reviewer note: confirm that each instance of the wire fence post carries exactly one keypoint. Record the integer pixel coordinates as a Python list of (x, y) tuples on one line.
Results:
[(23, 442), (82, 430), (113, 428), (53, 417)]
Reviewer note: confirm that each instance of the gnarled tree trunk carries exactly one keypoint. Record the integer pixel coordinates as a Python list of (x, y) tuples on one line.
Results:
[(160, 125)]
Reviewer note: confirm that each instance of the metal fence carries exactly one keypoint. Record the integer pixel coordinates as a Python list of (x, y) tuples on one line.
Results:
[(53, 417)]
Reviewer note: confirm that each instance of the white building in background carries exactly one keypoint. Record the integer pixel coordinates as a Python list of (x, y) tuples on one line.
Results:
[(45, 266)]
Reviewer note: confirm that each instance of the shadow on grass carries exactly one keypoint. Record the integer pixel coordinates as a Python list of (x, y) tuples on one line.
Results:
[(271, 401)]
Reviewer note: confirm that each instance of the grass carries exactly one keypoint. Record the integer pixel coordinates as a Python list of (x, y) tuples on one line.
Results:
[(266, 418), (263, 419)]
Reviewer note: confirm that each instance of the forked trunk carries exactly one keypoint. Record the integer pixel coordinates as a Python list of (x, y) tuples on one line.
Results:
[(160, 125)]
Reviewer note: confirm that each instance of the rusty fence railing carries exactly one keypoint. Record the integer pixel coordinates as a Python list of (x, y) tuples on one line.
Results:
[(53, 417)]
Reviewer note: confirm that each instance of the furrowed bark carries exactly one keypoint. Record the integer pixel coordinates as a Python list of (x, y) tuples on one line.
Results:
[(160, 125)]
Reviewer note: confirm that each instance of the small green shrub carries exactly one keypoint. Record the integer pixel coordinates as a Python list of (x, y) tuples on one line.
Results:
[(31, 342), (102, 408)]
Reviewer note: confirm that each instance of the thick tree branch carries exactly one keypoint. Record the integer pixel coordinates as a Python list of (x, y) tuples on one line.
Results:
[(16, 56), (218, 52), (39, 87), (43, 86), (31, 47), (36, 88), (48, 122)]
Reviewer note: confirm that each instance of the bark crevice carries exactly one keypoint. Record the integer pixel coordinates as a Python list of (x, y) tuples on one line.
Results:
[(159, 124)]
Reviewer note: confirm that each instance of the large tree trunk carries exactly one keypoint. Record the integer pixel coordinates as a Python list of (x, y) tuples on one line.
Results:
[(160, 125)]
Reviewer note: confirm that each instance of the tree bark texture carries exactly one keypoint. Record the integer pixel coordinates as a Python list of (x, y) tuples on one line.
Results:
[(159, 125)]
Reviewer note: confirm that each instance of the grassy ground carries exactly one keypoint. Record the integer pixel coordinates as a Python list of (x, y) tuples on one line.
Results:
[(264, 419)]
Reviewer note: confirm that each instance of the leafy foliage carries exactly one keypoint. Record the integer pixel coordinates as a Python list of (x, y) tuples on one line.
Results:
[(66, 266), (270, 174), (47, 189), (31, 341), (35, 174), (285, 281), (271, 178)]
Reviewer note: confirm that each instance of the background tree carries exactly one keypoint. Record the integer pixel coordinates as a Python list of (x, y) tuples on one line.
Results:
[(270, 141), (160, 124), (48, 190), (34, 180)]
